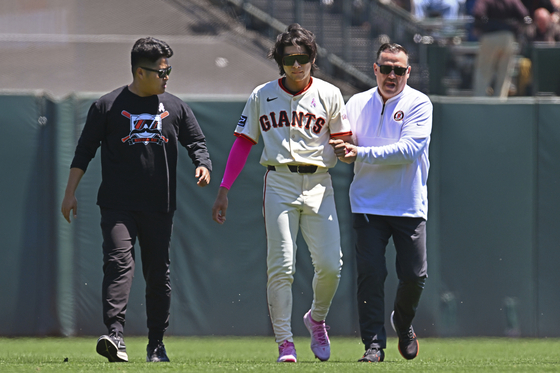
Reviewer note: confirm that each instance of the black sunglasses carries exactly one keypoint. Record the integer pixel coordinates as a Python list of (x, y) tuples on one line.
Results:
[(386, 69), (289, 60), (162, 73)]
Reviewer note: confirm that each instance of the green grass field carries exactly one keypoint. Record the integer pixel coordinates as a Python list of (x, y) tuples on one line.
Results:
[(258, 354)]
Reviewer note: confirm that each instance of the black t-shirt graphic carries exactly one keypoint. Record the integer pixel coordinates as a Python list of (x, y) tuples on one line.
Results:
[(139, 139)]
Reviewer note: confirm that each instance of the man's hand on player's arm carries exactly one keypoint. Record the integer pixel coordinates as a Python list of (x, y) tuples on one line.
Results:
[(344, 149), (220, 206), (203, 176), (69, 202)]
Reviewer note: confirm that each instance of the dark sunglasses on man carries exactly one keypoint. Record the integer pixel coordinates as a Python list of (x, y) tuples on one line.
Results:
[(386, 69), (162, 73), (290, 59)]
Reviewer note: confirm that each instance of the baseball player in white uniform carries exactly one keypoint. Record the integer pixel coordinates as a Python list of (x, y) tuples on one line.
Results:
[(296, 116)]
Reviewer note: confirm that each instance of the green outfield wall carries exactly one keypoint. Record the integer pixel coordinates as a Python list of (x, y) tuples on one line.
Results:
[(493, 230)]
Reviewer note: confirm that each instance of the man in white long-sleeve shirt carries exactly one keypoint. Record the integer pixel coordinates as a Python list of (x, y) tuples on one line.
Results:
[(391, 125)]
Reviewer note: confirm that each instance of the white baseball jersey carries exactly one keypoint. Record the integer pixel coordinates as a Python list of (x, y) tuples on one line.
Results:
[(295, 128)]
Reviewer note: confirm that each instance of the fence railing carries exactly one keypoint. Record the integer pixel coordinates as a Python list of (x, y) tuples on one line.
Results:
[(350, 32)]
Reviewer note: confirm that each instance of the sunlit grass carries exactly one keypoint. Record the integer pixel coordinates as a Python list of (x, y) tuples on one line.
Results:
[(258, 354)]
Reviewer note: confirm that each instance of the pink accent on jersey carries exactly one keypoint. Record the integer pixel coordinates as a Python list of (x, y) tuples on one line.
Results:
[(236, 160)]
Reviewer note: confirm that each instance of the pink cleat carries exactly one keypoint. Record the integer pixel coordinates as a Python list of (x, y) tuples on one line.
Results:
[(320, 344), (287, 352)]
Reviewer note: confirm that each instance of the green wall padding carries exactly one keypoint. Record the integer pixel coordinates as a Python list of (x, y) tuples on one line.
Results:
[(492, 228)]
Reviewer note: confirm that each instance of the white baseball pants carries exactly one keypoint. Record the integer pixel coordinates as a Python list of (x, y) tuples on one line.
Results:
[(291, 201)]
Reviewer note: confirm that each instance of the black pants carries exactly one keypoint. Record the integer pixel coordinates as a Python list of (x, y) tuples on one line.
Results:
[(409, 236), (120, 229)]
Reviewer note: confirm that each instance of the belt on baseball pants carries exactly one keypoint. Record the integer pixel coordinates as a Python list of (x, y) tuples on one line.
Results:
[(300, 169)]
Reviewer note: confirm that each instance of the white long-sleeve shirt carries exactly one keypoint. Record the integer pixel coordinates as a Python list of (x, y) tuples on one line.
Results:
[(391, 169)]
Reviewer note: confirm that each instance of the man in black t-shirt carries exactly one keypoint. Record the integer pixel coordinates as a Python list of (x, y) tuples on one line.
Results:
[(139, 128)]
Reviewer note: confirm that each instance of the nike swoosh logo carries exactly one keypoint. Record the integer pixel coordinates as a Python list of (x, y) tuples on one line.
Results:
[(268, 99)]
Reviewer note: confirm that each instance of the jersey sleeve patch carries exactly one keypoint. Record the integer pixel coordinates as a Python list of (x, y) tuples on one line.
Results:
[(242, 121)]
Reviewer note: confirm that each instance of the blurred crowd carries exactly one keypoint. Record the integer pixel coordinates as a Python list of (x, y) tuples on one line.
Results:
[(504, 29)]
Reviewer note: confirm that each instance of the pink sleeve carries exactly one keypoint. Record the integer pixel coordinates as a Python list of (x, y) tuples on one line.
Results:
[(236, 160)]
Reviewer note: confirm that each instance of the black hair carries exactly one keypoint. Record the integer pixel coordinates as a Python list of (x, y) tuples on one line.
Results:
[(393, 48), (148, 51), (297, 36)]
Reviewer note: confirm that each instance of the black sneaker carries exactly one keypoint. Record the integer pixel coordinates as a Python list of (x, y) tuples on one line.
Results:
[(156, 352), (373, 355), (112, 347), (408, 343)]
